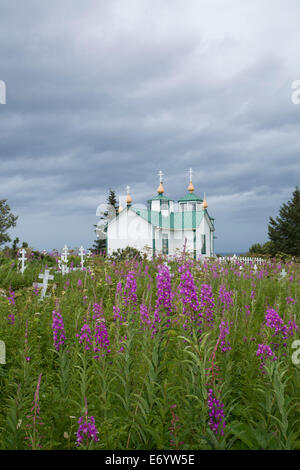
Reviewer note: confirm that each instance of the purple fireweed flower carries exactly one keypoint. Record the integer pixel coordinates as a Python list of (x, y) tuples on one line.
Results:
[(11, 297), (36, 290), (58, 330), (207, 304), (189, 299), (188, 291), (163, 304), (129, 294), (85, 337), (275, 322), (117, 313), (79, 283), (164, 290), (290, 300), (144, 315), (101, 339), (225, 296), (264, 352), (11, 318), (292, 326), (98, 311), (253, 294), (87, 430), (119, 288), (216, 414), (224, 331)]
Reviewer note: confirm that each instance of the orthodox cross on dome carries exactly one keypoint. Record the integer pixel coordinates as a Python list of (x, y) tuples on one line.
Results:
[(160, 188), (191, 186)]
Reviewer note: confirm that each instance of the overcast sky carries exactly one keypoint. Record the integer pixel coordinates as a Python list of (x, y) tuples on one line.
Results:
[(104, 93)]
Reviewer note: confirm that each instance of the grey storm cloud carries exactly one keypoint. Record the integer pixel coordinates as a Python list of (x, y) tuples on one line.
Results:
[(101, 94)]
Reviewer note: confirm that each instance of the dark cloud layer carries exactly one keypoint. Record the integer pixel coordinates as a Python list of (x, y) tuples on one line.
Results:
[(104, 94)]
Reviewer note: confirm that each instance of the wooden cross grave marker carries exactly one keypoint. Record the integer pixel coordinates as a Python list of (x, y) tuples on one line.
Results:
[(23, 259), (46, 277), (81, 254)]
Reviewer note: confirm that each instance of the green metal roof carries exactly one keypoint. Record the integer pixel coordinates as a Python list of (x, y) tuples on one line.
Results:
[(175, 220), (160, 197), (190, 197)]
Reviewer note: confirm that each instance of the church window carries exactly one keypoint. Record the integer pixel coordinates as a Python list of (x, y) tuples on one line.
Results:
[(203, 244)]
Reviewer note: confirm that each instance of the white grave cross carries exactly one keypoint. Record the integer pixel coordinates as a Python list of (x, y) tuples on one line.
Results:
[(283, 274), (64, 260), (23, 259), (46, 277), (81, 254), (64, 255)]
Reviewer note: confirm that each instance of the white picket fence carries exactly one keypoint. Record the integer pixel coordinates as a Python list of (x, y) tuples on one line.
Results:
[(241, 259)]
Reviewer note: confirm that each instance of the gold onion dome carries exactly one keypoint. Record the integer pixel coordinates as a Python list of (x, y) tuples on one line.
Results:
[(204, 203), (160, 188), (128, 199), (191, 187), (120, 208)]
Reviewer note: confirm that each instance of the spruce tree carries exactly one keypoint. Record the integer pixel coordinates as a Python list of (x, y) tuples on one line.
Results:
[(7, 220), (110, 212), (284, 231)]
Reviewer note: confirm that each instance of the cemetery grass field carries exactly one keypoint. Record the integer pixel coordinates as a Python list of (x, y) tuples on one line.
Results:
[(148, 355)]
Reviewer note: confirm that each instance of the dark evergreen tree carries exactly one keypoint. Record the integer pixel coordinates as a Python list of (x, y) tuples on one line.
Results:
[(7, 221), (258, 249), (284, 231), (15, 247), (107, 215)]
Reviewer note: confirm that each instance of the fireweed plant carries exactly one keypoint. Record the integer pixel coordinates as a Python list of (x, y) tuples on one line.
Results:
[(133, 338)]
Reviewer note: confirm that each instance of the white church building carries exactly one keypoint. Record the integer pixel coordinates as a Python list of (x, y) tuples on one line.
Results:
[(163, 226)]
